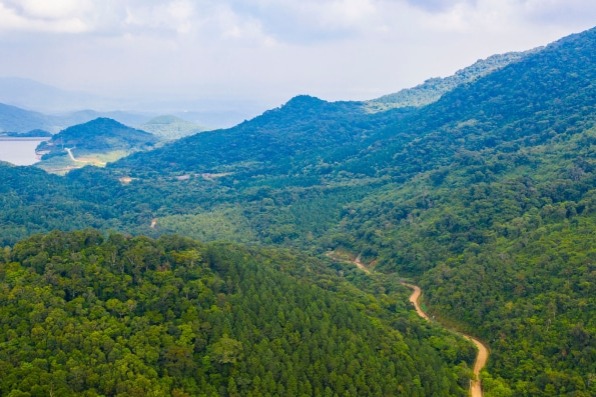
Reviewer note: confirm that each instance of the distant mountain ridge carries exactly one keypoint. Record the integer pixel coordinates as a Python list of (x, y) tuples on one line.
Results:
[(25, 94), (44, 98), (31, 94), (432, 89), (170, 127), (15, 119)]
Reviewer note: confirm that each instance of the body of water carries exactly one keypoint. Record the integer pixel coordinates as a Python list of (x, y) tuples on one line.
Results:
[(19, 151)]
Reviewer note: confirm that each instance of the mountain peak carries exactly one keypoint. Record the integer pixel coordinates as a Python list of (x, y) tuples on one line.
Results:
[(304, 100), (169, 127)]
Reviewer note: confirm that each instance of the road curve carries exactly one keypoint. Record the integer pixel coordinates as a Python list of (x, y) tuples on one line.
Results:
[(481, 357)]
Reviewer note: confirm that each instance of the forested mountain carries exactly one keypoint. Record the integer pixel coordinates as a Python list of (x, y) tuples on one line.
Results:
[(486, 197), (84, 116), (432, 89), (302, 130), (98, 135), (95, 142), (84, 314)]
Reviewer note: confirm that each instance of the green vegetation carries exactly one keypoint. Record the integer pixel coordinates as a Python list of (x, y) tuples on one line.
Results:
[(37, 133), (95, 142), (432, 89), (84, 314), (485, 197), (170, 127), (98, 135)]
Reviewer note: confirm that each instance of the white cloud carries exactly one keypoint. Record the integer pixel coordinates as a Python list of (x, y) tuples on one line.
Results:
[(337, 49), (61, 16), (52, 10), (335, 14), (177, 16)]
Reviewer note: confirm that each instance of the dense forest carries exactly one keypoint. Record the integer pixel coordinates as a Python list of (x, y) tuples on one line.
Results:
[(87, 314), (485, 197)]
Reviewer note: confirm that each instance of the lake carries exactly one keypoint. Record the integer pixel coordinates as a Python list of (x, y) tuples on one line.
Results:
[(19, 151)]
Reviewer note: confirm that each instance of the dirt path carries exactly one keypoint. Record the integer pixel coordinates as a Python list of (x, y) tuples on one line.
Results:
[(360, 265), (76, 160), (481, 357), (72, 157), (416, 293)]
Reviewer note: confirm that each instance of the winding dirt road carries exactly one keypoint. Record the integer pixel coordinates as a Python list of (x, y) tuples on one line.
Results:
[(481, 357)]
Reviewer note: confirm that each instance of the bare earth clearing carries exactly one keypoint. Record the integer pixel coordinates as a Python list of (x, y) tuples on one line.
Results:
[(86, 161)]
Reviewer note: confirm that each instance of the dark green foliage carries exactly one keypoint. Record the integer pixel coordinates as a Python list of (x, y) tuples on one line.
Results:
[(282, 141), (29, 134), (84, 314), (99, 135), (33, 201), (486, 196)]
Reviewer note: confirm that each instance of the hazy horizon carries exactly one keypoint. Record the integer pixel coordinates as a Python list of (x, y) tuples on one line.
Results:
[(257, 53)]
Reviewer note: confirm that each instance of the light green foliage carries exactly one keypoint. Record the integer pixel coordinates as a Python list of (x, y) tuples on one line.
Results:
[(170, 127)]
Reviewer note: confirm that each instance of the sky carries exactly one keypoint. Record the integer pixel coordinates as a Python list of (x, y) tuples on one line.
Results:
[(267, 51)]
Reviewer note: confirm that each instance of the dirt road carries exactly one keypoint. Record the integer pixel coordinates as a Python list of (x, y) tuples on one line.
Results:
[(76, 160), (416, 293), (360, 265), (481, 357)]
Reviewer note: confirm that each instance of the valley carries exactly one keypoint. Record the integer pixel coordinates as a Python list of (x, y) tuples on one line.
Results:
[(222, 263)]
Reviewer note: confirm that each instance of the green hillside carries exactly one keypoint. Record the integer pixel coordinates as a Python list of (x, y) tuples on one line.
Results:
[(93, 143), (485, 197), (101, 134), (84, 314), (432, 89)]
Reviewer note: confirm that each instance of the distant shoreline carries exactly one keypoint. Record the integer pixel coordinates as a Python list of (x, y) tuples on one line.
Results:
[(29, 138)]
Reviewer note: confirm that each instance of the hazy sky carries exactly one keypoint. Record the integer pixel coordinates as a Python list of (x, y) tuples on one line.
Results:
[(268, 50)]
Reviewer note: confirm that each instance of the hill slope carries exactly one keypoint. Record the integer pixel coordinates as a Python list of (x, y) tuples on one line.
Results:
[(14, 119), (170, 127), (94, 141), (485, 196), (432, 89), (101, 134), (134, 316), (467, 176)]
